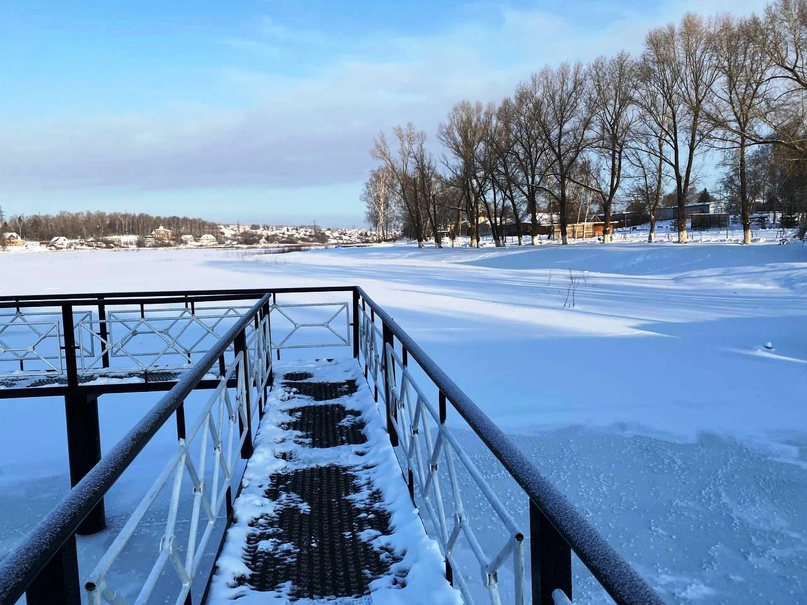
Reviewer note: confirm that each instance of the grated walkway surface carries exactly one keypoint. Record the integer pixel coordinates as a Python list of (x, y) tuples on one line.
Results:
[(315, 540)]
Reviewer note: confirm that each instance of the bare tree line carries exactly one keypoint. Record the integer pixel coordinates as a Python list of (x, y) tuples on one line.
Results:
[(621, 132), (98, 225)]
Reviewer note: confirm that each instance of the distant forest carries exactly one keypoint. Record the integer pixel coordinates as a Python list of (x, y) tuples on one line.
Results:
[(97, 225)]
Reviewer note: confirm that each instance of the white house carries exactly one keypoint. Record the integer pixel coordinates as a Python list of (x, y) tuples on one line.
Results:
[(58, 242)]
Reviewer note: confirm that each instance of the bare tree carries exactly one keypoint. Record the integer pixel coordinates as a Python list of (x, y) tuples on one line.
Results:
[(465, 137), (530, 151), (612, 82), (677, 66), (741, 99), (563, 119), (427, 183), (401, 165), (506, 170), (378, 201), (783, 39), (647, 179)]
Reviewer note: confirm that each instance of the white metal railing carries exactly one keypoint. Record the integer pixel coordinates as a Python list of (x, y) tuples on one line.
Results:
[(167, 339), (427, 446), (162, 339), (216, 439), (292, 320), (30, 342)]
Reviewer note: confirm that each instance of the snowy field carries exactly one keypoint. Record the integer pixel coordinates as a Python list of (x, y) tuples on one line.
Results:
[(636, 376)]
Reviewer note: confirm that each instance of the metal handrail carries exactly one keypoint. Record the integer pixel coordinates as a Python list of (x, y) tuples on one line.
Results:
[(615, 575), (158, 297), (20, 568)]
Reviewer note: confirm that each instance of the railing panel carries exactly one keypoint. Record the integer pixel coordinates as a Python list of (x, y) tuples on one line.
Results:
[(442, 475), (433, 458), (192, 497)]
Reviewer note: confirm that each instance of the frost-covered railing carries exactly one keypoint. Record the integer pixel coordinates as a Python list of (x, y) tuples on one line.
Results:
[(44, 567), (203, 475), (203, 481), (145, 334), (431, 457), (31, 341), (427, 446), (150, 339)]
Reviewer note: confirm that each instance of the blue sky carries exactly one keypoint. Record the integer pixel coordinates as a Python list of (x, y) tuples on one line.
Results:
[(262, 111)]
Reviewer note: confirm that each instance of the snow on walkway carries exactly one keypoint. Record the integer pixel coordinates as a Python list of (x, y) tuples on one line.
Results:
[(324, 515)]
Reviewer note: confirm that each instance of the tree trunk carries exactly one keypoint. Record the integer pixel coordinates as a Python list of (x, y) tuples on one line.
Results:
[(606, 228), (745, 203)]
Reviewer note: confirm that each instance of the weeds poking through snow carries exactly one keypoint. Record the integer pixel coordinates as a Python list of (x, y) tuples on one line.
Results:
[(570, 291)]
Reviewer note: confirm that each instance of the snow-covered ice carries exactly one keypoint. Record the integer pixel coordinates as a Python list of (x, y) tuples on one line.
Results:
[(652, 402)]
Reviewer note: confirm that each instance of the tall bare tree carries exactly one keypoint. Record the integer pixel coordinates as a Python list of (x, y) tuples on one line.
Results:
[(506, 172), (530, 151), (677, 66), (741, 99), (465, 135), (428, 184), (402, 166), (378, 201), (612, 83), (563, 118)]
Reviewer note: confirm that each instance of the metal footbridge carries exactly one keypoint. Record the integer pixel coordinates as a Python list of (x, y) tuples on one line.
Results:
[(302, 422)]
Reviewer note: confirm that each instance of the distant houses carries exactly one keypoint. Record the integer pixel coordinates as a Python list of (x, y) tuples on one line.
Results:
[(12, 239), (161, 234)]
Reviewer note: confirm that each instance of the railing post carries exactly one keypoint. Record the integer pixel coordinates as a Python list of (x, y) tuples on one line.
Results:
[(58, 583), (550, 559), (103, 333), (83, 428), (241, 347), (387, 339), (355, 323)]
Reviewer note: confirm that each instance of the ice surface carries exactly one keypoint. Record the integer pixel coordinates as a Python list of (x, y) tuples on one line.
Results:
[(652, 403)]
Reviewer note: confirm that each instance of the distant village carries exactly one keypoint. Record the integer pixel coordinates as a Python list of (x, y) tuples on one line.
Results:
[(225, 236)]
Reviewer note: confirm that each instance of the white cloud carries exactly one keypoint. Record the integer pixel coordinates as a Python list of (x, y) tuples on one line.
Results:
[(317, 129)]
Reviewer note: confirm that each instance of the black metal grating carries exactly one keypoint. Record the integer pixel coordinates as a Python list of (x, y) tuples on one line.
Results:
[(321, 391), (324, 426), (59, 379), (317, 546), (314, 538)]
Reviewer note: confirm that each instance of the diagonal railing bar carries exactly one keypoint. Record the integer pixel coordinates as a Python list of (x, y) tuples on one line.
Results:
[(144, 360), (287, 310), (28, 351)]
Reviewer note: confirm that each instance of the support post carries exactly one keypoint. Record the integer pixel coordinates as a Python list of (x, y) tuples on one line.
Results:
[(83, 427), (550, 559), (387, 339), (58, 583), (103, 333), (355, 323), (241, 347)]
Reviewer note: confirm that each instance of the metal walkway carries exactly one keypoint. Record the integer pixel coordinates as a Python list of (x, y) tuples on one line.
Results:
[(311, 520)]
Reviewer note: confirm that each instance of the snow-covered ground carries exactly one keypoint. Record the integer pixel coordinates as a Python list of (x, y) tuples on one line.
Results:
[(636, 376)]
